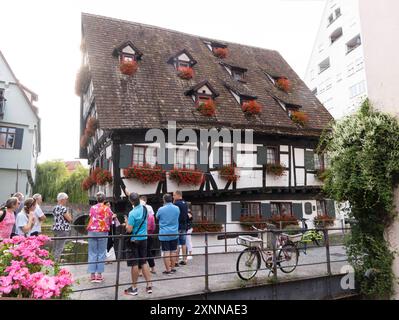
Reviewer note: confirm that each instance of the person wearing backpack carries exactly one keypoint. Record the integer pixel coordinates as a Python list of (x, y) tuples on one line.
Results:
[(136, 224), (7, 218)]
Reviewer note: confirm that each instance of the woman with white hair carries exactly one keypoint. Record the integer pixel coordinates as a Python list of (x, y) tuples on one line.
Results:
[(61, 226)]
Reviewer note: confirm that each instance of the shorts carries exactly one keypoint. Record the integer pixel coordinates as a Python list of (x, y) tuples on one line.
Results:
[(182, 237), (137, 253), (170, 245)]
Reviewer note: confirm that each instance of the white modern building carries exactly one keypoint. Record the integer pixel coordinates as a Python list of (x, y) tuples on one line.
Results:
[(19, 134), (336, 71)]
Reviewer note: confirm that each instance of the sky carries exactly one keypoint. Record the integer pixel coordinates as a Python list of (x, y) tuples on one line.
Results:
[(41, 38)]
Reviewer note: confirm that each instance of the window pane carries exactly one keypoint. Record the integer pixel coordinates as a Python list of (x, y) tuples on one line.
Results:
[(285, 209), (196, 211), (151, 156), (138, 155), (11, 130), (2, 129), (2, 140), (271, 155), (250, 209), (321, 207), (209, 212), (179, 158), (10, 141), (275, 209), (227, 156), (190, 159)]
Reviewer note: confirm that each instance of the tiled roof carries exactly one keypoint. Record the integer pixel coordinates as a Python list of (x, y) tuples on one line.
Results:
[(155, 94)]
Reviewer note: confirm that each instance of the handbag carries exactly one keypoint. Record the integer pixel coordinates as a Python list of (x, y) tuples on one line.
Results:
[(134, 241)]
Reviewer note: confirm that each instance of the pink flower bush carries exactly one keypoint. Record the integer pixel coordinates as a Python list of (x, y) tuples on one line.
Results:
[(25, 270)]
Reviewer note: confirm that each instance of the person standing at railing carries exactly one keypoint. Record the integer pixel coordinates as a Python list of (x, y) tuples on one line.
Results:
[(7, 218), (136, 224), (183, 217), (150, 231), (20, 198), (100, 219), (61, 226), (168, 217), (39, 215), (189, 243), (26, 219)]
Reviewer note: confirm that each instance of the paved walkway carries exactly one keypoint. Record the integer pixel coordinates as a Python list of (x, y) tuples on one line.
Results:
[(171, 286)]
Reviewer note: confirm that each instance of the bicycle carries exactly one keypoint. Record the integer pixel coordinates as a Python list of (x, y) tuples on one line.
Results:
[(249, 260), (315, 236)]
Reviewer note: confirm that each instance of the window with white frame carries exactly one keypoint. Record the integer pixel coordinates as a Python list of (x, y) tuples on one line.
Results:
[(324, 65), (7, 137), (281, 208), (321, 207), (203, 212), (144, 155), (272, 155), (357, 89), (250, 209), (185, 158)]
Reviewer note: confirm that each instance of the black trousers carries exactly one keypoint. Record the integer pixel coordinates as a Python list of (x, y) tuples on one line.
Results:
[(150, 252)]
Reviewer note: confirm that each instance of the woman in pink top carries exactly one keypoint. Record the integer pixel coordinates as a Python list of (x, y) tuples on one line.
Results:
[(99, 225), (150, 230), (7, 218)]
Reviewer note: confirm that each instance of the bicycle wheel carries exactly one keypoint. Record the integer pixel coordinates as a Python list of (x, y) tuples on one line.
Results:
[(287, 258), (318, 238), (248, 263)]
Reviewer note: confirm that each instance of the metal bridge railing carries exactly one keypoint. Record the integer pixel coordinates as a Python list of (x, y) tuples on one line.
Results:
[(225, 248)]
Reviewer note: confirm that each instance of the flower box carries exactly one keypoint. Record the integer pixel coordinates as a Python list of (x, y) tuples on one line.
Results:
[(101, 176), (248, 221), (322, 221), (276, 169), (87, 183), (186, 176), (283, 84), (91, 126), (28, 272), (207, 108), (146, 173), (128, 67), (205, 226), (185, 73), (283, 220), (251, 107), (299, 117), (220, 52), (228, 173)]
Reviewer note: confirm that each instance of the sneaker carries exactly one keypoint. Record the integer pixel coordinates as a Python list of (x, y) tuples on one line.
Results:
[(149, 290), (99, 278), (168, 273), (176, 265), (132, 291), (183, 263), (173, 271), (92, 278), (153, 271)]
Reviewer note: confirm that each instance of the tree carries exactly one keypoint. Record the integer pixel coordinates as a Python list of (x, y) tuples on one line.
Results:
[(53, 177)]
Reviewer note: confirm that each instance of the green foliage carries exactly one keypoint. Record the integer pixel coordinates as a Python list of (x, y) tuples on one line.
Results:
[(364, 153), (53, 177)]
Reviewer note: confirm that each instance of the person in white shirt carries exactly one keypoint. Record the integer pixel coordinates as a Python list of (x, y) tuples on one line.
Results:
[(40, 217)]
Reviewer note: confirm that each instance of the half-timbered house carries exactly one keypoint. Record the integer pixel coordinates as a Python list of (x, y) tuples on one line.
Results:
[(137, 77)]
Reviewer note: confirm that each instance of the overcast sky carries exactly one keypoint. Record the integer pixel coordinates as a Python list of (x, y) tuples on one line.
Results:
[(40, 39)]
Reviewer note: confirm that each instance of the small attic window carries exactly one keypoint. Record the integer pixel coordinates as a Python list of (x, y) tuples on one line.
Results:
[(127, 54), (237, 73), (218, 49), (336, 35)]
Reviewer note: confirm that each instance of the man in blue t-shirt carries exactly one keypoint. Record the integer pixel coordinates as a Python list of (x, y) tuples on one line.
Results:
[(168, 217), (183, 220), (136, 224)]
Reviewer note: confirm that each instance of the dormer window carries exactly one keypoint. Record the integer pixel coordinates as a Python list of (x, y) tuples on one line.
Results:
[(281, 82), (218, 49), (237, 73), (183, 63), (128, 56), (203, 94)]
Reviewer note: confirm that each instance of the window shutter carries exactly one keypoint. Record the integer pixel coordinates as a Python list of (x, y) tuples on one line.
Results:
[(220, 213), (19, 135), (330, 207), (235, 211), (266, 210), (309, 160), (261, 155), (126, 156), (167, 165), (297, 210), (308, 208), (201, 166)]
